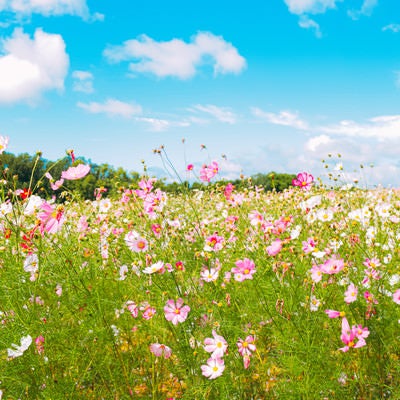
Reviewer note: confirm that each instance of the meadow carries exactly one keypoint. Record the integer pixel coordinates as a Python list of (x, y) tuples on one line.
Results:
[(209, 294)]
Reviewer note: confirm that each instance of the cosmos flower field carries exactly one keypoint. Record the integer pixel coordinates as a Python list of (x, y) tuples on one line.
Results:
[(209, 294)]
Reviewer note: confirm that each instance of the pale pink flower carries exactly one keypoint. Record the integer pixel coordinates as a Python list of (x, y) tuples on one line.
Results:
[(214, 368), (246, 346), (132, 308), (176, 312), (396, 296), (316, 273), (59, 290), (256, 218), (78, 172), (18, 351), (351, 293), (149, 313), (216, 345), (275, 247), (304, 180), (160, 350), (209, 275), (138, 245)]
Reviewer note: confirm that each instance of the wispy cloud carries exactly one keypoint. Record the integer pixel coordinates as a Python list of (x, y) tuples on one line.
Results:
[(392, 27), (177, 58), (310, 6), (112, 107), (286, 118), (381, 127), (158, 125), (31, 66), (366, 9), (222, 114), (306, 22), (49, 7), (83, 81)]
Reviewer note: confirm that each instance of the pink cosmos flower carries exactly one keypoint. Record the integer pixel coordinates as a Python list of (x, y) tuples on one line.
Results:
[(208, 172), (149, 312), (214, 243), (175, 311), (160, 350), (332, 266), (214, 368), (256, 218), (39, 342), (354, 337), (350, 294), (244, 270), (209, 275), (78, 172), (157, 267), (316, 273), (396, 296), (275, 247), (132, 308), (216, 345), (138, 245), (309, 245), (304, 180), (190, 167), (51, 218), (335, 314)]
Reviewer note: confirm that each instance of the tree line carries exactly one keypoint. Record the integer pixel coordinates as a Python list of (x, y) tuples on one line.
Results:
[(26, 171)]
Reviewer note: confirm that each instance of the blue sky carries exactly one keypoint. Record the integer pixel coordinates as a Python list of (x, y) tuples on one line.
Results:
[(271, 85)]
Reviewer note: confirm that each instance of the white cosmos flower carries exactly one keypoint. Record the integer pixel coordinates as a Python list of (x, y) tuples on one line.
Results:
[(17, 351)]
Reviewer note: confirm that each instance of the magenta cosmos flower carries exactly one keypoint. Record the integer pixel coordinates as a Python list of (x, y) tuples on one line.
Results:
[(353, 337), (78, 172), (175, 311), (304, 180)]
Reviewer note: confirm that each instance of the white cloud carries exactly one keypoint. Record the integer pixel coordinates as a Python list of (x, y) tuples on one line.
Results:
[(316, 142), (307, 23), (158, 125), (392, 27), (310, 6), (286, 118), (177, 58), (83, 81), (46, 7), (112, 107), (220, 113), (366, 9), (381, 127), (31, 66)]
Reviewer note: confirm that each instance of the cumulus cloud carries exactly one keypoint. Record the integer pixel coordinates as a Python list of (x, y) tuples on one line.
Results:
[(392, 27), (83, 81), (47, 7), (381, 127), (112, 107), (177, 58), (29, 67), (222, 114), (310, 6), (286, 118)]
